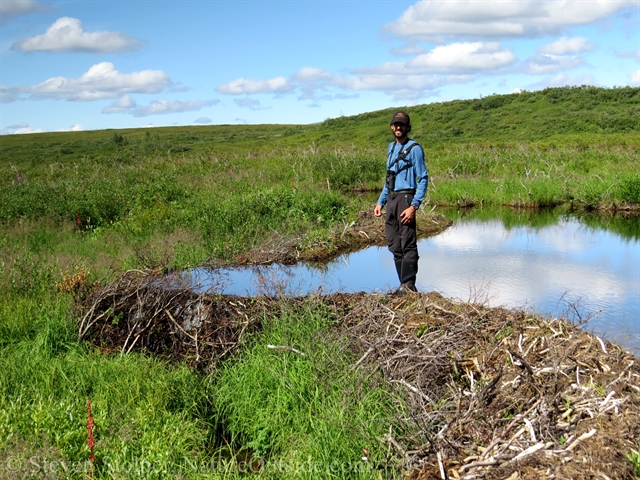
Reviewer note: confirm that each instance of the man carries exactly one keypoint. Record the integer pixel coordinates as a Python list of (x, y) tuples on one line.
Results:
[(403, 192)]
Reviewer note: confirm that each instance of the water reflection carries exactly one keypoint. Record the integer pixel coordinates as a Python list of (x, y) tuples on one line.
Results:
[(543, 261)]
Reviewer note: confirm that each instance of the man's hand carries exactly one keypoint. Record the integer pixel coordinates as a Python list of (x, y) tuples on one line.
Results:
[(377, 210), (408, 215)]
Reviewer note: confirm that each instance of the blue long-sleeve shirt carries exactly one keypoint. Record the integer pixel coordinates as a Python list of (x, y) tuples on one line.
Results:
[(415, 177)]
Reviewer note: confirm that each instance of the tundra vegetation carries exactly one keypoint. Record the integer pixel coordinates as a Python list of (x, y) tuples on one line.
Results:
[(79, 208)]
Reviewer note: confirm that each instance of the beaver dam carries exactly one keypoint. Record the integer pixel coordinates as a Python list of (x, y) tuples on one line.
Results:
[(490, 393)]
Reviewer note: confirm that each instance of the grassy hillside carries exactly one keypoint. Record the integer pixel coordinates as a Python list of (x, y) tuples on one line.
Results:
[(527, 116)]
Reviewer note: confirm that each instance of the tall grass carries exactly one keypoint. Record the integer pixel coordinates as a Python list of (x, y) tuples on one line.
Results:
[(143, 409), (291, 412), (305, 406)]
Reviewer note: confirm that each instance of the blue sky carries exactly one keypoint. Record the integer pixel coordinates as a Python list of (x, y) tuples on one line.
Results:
[(85, 65)]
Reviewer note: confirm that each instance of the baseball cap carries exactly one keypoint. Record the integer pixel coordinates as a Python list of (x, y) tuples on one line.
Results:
[(400, 117)]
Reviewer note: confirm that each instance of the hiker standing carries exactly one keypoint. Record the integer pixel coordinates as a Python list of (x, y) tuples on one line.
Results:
[(403, 192)]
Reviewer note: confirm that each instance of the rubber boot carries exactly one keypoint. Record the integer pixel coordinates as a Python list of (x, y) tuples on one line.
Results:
[(401, 290), (399, 269), (409, 272)]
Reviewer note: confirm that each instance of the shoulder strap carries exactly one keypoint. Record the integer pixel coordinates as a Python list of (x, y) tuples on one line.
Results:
[(402, 156)]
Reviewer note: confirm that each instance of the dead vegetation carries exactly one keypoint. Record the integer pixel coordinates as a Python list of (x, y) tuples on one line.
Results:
[(365, 231), (498, 393), (492, 393), (142, 310)]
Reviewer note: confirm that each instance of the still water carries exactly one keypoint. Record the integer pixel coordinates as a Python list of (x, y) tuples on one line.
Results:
[(582, 267)]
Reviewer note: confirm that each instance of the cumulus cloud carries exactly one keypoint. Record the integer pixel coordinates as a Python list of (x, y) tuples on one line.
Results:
[(407, 87), (248, 102), (562, 80), (75, 128), (453, 59), (566, 46), (547, 64), (408, 49), (128, 105), (437, 20), (14, 128), (630, 54), (315, 84), (123, 104), (8, 94), (461, 58), (21, 131), (161, 107), (13, 8), (101, 81), (635, 78), (243, 86), (67, 35)]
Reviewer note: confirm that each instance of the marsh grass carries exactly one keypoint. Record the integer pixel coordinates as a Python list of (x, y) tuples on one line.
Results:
[(143, 409), (294, 396)]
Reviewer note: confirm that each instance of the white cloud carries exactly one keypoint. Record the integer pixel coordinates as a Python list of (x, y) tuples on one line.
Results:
[(311, 74), (635, 78), (161, 107), (203, 120), (437, 20), (21, 131), (13, 8), (459, 58), (14, 128), (101, 81), (75, 128), (123, 104), (398, 86), (567, 45), (635, 54), (127, 104), (408, 49), (453, 59), (547, 64), (247, 102), (562, 80), (315, 84), (245, 86), (8, 94), (67, 35)]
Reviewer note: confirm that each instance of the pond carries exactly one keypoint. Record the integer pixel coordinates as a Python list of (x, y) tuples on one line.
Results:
[(583, 267)]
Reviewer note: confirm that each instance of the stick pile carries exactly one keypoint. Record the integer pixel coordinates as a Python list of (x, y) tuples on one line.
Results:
[(491, 393), (497, 393), (142, 311)]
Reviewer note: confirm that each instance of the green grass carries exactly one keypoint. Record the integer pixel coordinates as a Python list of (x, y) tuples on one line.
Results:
[(634, 458), (288, 407), (143, 409), (289, 411), (95, 202)]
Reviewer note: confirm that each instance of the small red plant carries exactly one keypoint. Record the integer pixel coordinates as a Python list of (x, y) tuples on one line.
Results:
[(90, 440)]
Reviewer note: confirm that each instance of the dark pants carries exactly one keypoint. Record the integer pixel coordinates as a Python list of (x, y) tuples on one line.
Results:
[(402, 239)]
